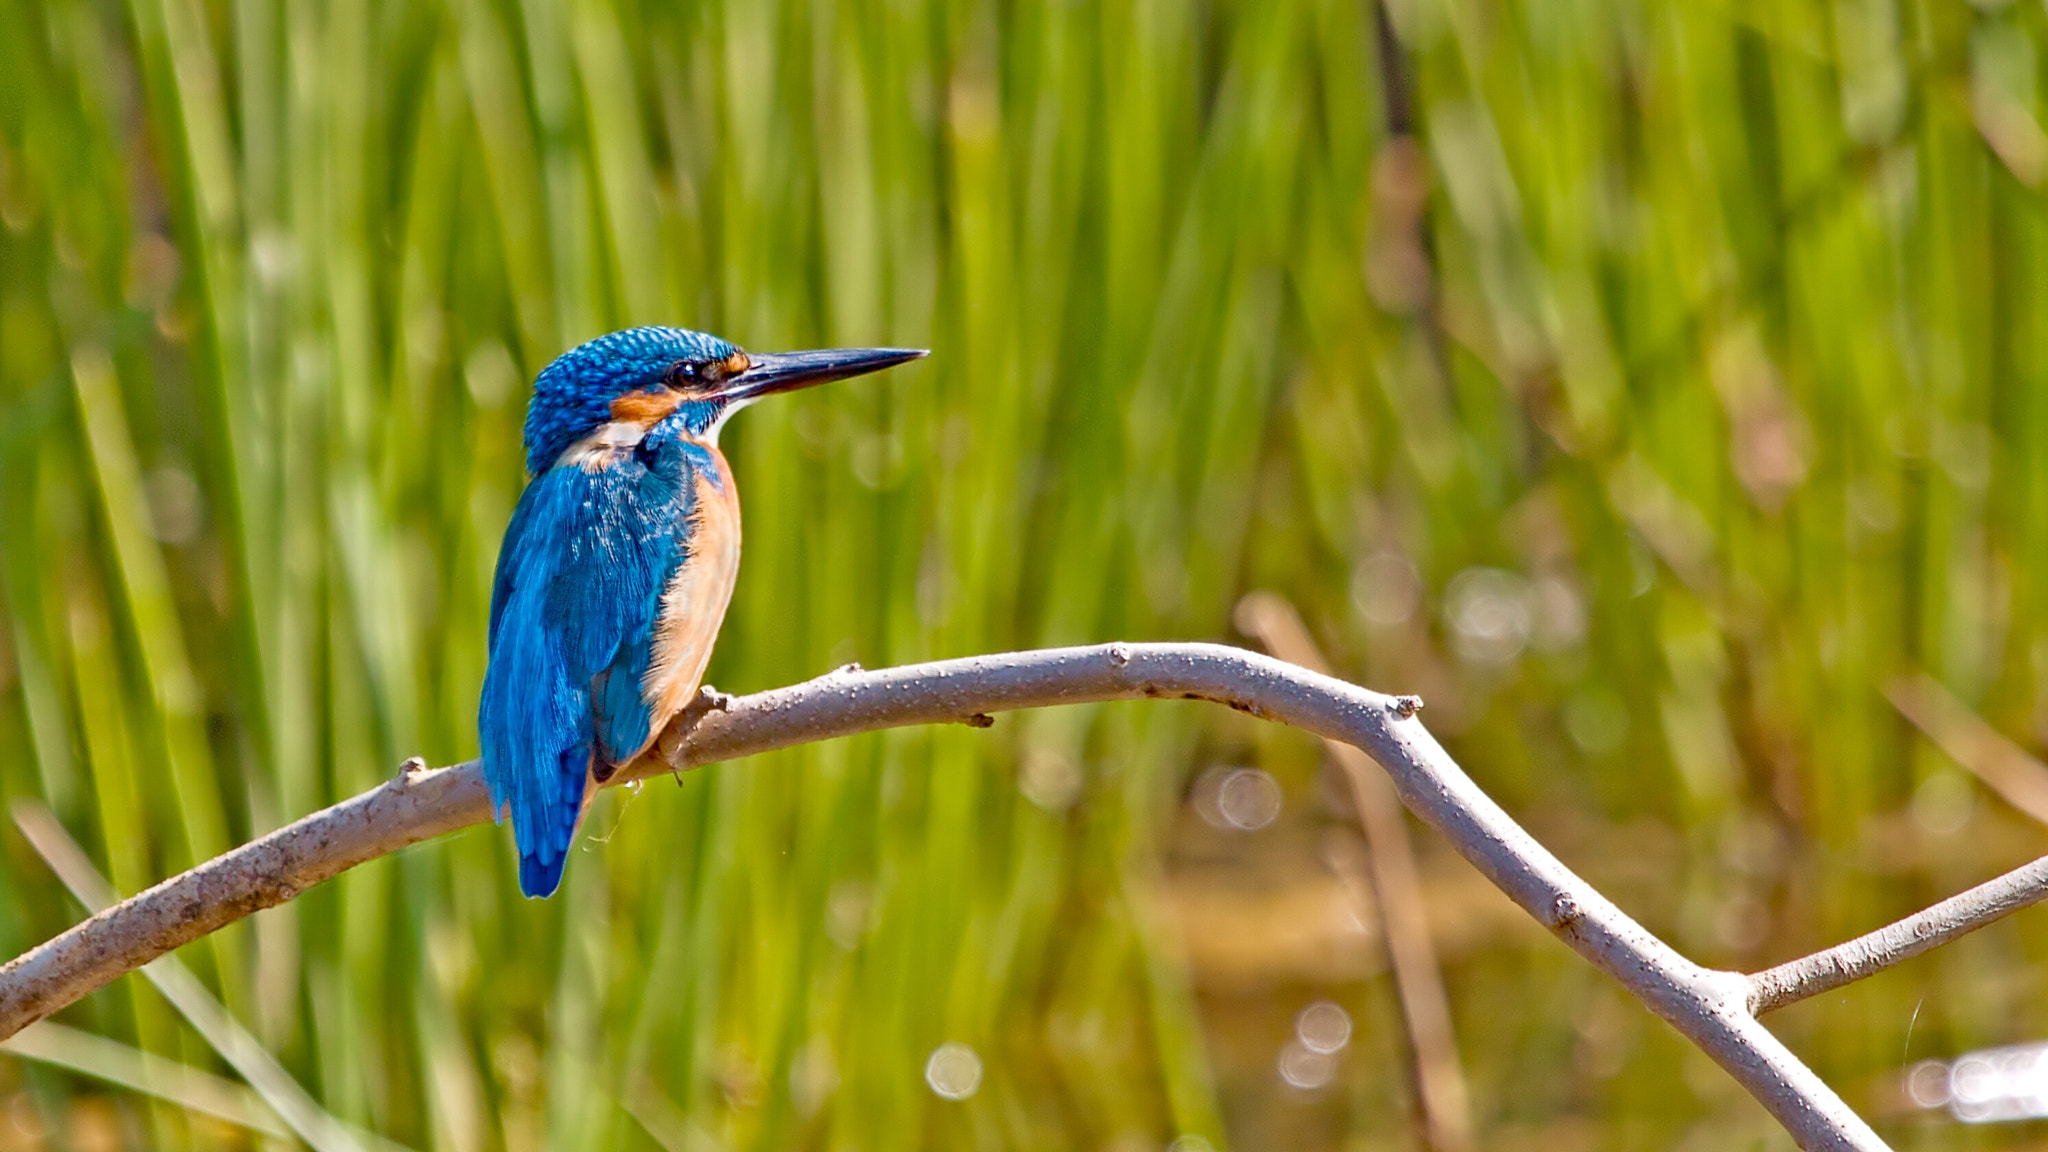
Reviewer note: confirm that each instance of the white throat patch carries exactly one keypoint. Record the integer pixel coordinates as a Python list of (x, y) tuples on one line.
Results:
[(711, 434), (604, 444)]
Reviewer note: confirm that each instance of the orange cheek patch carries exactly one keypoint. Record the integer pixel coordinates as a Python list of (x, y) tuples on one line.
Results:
[(737, 363), (645, 408)]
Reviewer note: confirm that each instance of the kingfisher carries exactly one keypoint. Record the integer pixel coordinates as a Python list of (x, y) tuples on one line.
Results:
[(617, 565)]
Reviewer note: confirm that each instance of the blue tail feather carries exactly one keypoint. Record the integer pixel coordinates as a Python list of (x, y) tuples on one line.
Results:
[(537, 880), (549, 828)]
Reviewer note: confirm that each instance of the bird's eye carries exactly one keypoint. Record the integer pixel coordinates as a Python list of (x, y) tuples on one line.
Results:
[(696, 375)]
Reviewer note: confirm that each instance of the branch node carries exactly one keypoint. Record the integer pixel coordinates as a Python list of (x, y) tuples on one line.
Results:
[(847, 669), (1120, 654), (978, 720), (1405, 706), (412, 768), (1564, 910)]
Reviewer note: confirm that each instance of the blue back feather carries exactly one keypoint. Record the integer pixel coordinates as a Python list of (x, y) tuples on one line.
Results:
[(579, 582), (579, 588)]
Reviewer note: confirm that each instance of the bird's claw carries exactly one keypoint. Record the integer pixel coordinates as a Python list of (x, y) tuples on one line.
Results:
[(706, 701)]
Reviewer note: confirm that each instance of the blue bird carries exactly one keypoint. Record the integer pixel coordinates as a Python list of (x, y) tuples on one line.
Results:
[(618, 564)]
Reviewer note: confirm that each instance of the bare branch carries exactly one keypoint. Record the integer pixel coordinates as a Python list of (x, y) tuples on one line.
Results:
[(1959, 915), (2001, 765), (1708, 1007)]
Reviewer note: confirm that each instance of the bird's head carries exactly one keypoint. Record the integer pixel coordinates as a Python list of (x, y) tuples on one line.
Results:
[(643, 377)]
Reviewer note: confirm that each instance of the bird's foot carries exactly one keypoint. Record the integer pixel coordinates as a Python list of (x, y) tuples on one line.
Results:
[(669, 747), (705, 702)]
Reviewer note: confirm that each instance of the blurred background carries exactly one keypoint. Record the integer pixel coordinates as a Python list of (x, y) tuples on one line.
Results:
[(1660, 390)]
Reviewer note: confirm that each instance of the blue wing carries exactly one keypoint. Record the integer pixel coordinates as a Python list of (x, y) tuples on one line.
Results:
[(508, 560), (573, 608)]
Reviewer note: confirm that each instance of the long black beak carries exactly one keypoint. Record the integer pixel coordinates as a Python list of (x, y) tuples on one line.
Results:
[(773, 372)]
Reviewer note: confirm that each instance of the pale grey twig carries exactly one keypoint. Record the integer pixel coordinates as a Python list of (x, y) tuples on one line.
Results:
[(1923, 931), (2005, 768), (1709, 1007)]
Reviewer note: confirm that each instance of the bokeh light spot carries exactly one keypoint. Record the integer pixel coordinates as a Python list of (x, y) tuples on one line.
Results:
[(1323, 1027), (1304, 1069), (1489, 613), (954, 1071), (1248, 799)]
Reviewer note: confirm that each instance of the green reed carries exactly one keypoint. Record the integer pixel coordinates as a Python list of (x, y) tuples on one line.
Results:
[(1705, 342)]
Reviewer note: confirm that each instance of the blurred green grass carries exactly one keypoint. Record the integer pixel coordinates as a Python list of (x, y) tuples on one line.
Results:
[(1643, 384)]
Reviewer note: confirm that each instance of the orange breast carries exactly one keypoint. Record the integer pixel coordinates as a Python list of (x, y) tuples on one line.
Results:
[(693, 605)]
